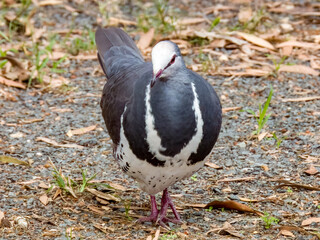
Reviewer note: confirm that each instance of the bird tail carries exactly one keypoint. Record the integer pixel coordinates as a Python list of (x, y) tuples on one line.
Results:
[(108, 37)]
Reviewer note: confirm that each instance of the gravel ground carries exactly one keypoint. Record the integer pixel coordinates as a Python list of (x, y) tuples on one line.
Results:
[(237, 153)]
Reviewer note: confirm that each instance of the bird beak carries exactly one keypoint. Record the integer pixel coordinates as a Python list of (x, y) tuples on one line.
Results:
[(156, 77)]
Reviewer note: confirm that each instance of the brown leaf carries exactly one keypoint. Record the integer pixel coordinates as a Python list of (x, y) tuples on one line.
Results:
[(313, 46), (229, 109), (43, 185), (296, 185), (118, 186), (245, 14), (303, 99), (312, 170), (298, 69), (54, 143), (1, 216), (212, 165), (81, 131), (102, 195), (50, 3), (262, 135), (256, 40), (11, 83), (236, 179), (189, 21), (8, 159), (229, 204), (60, 110), (27, 121), (145, 39), (286, 233), (44, 199), (308, 221), (116, 21), (96, 209)]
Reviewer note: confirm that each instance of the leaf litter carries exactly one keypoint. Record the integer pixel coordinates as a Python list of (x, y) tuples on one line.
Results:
[(237, 50)]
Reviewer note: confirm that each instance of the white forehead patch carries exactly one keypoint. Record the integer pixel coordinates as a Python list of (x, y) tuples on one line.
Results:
[(161, 55)]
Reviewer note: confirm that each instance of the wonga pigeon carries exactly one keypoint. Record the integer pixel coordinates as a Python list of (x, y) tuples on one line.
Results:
[(163, 118)]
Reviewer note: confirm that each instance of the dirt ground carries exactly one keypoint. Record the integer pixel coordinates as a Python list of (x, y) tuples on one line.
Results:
[(275, 172)]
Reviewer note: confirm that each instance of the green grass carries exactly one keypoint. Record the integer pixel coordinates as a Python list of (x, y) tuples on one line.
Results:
[(269, 220), (161, 20), (194, 178), (262, 117)]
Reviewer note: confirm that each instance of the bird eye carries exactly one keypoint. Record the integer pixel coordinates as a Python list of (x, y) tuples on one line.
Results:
[(173, 59)]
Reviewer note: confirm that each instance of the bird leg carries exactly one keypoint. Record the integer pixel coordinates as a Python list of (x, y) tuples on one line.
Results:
[(165, 203), (154, 212)]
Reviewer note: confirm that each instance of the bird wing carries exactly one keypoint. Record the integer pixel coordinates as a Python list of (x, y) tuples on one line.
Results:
[(123, 66)]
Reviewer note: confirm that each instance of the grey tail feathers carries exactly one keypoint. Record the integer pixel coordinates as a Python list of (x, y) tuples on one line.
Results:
[(108, 37)]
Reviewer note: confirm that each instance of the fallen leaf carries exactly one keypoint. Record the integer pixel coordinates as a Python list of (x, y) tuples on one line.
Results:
[(102, 195), (54, 143), (298, 69), (296, 185), (84, 57), (245, 14), (1, 216), (212, 165), (17, 135), (286, 233), (189, 21), (8, 159), (308, 221), (236, 179), (229, 109), (230, 204), (118, 186), (27, 121), (60, 110), (96, 210), (43, 185), (156, 236), (312, 170), (50, 3), (299, 44), (256, 40), (262, 135), (145, 39), (11, 83), (81, 131), (116, 21), (303, 99), (44, 199)]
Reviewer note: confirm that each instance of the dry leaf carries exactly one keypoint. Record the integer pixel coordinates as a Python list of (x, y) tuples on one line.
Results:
[(262, 135), (118, 186), (60, 110), (50, 3), (299, 44), (54, 143), (43, 185), (96, 210), (156, 236), (81, 131), (189, 21), (212, 165), (84, 57), (11, 83), (236, 179), (308, 221), (229, 109), (298, 69), (1, 216), (17, 135), (116, 21), (229, 204), (312, 170), (245, 14), (286, 233), (102, 195), (145, 39), (256, 40), (8, 159), (44, 199), (303, 99)]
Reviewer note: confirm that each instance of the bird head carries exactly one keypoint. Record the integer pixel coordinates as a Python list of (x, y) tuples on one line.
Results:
[(166, 59)]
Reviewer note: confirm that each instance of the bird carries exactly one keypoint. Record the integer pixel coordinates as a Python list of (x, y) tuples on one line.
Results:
[(163, 118)]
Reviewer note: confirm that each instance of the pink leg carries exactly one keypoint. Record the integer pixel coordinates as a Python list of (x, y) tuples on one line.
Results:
[(154, 212), (165, 203)]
